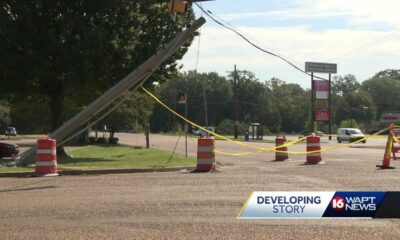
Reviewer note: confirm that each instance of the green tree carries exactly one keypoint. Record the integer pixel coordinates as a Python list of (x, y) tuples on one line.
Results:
[(67, 52), (384, 92), (349, 123), (292, 103), (133, 113), (254, 98), (344, 85), (4, 115), (351, 101), (389, 73), (218, 95)]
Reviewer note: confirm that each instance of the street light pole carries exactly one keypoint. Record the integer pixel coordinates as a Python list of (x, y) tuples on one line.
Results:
[(330, 108), (186, 124), (205, 104), (235, 84), (312, 102)]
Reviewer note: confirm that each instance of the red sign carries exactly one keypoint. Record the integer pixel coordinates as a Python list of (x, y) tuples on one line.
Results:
[(182, 98), (321, 85), (390, 118), (321, 116)]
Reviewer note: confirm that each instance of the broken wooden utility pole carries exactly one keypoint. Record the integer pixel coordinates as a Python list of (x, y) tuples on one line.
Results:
[(132, 81)]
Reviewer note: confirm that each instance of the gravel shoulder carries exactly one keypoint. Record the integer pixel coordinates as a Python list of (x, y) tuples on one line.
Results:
[(182, 205)]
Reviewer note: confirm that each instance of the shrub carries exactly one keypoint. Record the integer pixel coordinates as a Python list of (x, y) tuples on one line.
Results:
[(92, 139), (113, 140)]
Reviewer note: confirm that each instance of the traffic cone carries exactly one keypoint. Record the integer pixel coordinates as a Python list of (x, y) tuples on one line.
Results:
[(388, 151)]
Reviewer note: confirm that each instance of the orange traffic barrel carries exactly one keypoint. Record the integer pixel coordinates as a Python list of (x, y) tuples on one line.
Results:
[(205, 155), (313, 144), (46, 157), (281, 152)]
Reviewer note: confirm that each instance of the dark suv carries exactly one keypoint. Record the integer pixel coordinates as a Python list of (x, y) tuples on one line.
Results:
[(8, 150)]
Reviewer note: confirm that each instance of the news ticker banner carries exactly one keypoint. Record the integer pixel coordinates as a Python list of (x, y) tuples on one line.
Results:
[(265, 205)]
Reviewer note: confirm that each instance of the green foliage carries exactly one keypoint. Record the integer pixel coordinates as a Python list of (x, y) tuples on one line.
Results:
[(226, 127), (69, 52), (384, 92), (132, 114), (30, 115), (349, 123), (122, 157), (351, 100), (292, 107), (4, 116), (218, 94), (276, 105)]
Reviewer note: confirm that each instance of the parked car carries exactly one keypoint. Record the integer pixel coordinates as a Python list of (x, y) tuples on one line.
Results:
[(11, 131), (200, 132), (350, 135), (317, 133), (8, 150)]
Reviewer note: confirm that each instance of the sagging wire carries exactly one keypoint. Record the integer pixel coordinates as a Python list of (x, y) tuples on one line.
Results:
[(210, 15)]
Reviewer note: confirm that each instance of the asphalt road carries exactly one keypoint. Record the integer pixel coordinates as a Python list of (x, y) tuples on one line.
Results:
[(182, 205)]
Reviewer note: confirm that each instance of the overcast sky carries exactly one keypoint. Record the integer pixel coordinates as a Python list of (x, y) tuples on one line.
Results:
[(362, 37)]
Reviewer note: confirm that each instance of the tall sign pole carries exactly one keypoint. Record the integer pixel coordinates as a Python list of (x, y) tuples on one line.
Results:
[(312, 102), (186, 125), (321, 109), (330, 107)]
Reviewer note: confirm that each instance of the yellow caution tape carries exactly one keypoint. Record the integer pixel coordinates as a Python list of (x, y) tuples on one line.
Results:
[(208, 131), (274, 149)]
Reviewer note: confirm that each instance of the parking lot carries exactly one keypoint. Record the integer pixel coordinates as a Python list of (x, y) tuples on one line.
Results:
[(183, 205)]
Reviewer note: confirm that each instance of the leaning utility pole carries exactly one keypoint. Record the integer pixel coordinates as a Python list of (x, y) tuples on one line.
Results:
[(132, 81)]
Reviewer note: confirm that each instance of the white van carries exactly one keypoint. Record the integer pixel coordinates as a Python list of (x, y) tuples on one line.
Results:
[(350, 135)]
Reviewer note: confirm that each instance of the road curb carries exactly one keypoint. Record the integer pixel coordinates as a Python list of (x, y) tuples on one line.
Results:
[(99, 172)]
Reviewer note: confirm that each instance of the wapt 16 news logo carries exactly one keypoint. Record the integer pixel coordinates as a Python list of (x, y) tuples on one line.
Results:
[(354, 204)]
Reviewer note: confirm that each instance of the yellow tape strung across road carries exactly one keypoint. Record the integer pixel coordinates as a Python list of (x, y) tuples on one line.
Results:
[(215, 134), (254, 147)]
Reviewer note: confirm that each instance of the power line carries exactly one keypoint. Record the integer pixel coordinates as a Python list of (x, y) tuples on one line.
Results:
[(210, 15), (369, 45)]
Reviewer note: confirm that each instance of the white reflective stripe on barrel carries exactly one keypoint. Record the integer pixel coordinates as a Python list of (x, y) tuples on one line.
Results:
[(46, 151), (46, 164), (313, 144), (205, 149), (313, 154)]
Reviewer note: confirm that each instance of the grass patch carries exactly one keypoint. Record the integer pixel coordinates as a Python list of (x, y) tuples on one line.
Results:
[(102, 157), (121, 157), (19, 137), (4, 169)]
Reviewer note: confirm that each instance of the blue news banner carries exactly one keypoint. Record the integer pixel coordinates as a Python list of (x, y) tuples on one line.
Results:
[(321, 204)]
